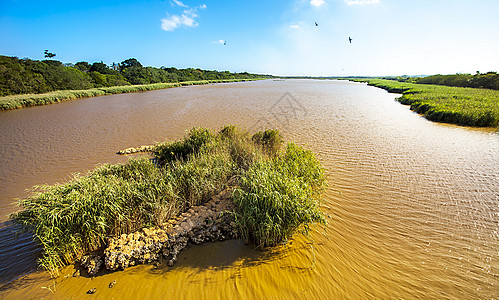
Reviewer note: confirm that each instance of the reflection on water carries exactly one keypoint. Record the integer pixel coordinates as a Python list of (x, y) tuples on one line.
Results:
[(414, 205)]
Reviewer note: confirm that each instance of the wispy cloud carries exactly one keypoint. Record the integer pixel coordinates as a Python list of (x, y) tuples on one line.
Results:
[(178, 3), (294, 26), (221, 42), (317, 3), (186, 19), (361, 2)]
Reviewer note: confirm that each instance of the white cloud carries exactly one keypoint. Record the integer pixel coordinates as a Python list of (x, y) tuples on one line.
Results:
[(186, 19), (361, 2), (178, 3), (221, 42), (294, 26), (317, 3), (173, 22)]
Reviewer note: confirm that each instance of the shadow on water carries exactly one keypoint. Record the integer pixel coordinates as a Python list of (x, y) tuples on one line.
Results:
[(219, 256), (18, 253)]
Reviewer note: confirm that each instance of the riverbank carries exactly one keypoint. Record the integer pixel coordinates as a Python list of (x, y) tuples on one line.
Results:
[(456, 105), (28, 100), (276, 191)]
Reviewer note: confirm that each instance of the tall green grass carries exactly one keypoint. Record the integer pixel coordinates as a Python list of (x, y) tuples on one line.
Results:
[(280, 195), (457, 105), (76, 217), (27, 100)]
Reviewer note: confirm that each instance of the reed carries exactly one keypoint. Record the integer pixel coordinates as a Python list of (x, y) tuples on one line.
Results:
[(457, 105), (27, 100), (277, 196), (278, 192)]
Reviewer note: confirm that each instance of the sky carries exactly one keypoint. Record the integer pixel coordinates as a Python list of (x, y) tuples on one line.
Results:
[(389, 37)]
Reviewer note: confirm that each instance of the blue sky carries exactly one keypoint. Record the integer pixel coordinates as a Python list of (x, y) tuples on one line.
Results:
[(389, 37)]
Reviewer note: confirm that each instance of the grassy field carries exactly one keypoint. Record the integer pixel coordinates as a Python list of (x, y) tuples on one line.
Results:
[(278, 192), (20, 101), (457, 105)]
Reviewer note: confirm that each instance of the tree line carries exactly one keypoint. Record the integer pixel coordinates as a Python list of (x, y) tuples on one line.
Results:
[(26, 76), (489, 80)]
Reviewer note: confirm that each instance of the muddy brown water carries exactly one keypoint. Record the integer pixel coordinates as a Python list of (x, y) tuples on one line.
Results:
[(413, 205)]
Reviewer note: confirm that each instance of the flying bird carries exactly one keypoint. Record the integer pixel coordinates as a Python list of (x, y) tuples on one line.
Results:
[(350, 39), (316, 24), (225, 43)]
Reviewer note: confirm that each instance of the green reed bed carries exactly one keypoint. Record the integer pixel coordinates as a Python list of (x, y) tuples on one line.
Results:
[(278, 189), (457, 105), (27, 100), (280, 195)]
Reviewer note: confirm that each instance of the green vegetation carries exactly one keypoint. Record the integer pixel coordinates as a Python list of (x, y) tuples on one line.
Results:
[(277, 192), (26, 76), (26, 100), (277, 196), (489, 80), (457, 105)]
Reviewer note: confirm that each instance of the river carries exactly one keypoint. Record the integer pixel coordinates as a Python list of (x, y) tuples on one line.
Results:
[(413, 205)]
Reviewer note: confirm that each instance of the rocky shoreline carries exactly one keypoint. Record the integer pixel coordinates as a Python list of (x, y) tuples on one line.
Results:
[(211, 221), (132, 150)]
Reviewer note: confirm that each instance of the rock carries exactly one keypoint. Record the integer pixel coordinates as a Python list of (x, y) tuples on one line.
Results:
[(112, 284), (76, 273), (135, 150), (92, 291), (211, 221), (91, 263)]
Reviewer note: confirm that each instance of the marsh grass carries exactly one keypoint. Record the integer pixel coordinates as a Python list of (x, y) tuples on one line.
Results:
[(457, 105), (27, 100), (278, 192), (279, 195)]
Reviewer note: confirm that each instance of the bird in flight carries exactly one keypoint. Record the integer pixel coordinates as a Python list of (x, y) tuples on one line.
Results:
[(316, 24), (225, 43), (350, 39)]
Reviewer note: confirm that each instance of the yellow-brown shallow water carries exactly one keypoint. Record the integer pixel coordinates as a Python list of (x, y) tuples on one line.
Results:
[(414, 205)]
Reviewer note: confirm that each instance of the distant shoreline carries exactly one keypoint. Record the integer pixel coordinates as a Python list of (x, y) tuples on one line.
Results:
[(455, 105), (28, 100)]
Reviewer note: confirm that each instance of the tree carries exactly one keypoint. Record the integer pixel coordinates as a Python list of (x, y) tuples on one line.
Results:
[(83, 66), (49, 54), (102, 68), (130, 63)]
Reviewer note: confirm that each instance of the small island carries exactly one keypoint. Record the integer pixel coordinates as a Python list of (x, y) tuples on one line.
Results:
[(206, 187)]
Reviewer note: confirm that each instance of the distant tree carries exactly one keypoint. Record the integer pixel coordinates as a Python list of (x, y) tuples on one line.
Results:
[(49, 54), (83, 66), (102, 68), (53, 63), (130, 63)]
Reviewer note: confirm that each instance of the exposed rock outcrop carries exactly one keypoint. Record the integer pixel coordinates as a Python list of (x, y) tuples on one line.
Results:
[(135, 150), (92, 263), (212, 221)]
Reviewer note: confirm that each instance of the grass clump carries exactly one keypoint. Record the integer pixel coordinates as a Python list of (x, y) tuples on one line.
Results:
[(270, 140), (277, 192), (457, 105), (180, 150), (279, 195)]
